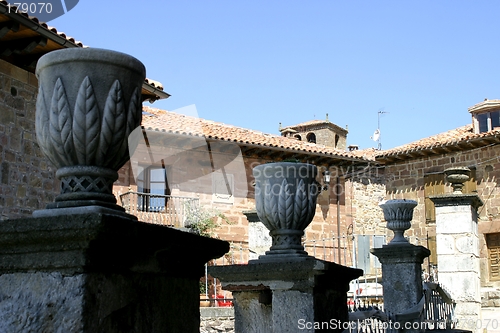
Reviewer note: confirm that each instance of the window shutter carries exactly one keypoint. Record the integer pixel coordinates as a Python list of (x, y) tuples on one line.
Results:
[(433, 185), (493, 244), (431, 245), (470, 185)]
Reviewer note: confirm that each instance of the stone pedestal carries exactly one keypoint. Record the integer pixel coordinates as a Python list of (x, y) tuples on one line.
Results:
[(288, 296), (401, 279), (457, 245), (98, 273)]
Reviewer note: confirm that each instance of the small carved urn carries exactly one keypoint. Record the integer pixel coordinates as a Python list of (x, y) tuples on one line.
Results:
[(89, 101), (457, 177), (285, 200), (398, 214)]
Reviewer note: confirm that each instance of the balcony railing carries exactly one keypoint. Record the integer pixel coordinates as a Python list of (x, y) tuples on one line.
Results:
[(159, 208)]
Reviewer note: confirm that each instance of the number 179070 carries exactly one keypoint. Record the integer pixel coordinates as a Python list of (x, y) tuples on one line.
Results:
[(30, 8)]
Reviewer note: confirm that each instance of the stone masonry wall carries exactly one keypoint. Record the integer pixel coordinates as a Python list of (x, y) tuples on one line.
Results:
[(324, 225), (405, 180), (27, 179)]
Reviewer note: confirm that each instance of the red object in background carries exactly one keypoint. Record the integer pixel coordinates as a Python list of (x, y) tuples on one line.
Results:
[(223, 303)]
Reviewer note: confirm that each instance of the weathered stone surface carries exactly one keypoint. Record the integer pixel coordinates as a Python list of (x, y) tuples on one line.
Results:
[(273, 297), (458, 253), (401, 275), (94, 273)]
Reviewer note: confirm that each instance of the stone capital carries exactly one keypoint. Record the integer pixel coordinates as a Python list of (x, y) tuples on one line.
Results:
[(292, 275), (401, 253), (444, 200)]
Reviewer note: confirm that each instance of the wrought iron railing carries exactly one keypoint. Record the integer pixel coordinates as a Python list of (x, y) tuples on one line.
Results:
[(162, 209), (439, 307)]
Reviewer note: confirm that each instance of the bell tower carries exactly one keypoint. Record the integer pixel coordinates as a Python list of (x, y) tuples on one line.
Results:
[(321, 132)]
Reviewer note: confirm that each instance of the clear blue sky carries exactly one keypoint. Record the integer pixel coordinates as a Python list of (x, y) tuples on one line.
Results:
[(256, 63)]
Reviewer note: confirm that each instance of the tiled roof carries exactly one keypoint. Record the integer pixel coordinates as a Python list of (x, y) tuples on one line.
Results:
[(461, 138), (311, 123), (59, 40), (161, 120)]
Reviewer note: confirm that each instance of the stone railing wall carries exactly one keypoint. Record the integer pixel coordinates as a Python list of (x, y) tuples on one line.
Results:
[(217, 320)]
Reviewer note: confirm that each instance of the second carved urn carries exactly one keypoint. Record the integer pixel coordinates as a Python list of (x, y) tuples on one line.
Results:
[(398, 214), (285, 199)]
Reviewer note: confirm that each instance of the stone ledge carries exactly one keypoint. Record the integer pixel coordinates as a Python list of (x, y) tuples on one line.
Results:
[(214, 312), (104, 243), (296, 274)]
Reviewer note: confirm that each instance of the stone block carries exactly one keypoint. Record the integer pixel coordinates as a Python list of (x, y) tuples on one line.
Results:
[(445, 244), (458, 263), (463, 287), (454, 223), (467, 244), (296, 291), (99, 273)]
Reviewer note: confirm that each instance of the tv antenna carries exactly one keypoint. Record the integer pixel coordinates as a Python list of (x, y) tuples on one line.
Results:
[(376, 135)]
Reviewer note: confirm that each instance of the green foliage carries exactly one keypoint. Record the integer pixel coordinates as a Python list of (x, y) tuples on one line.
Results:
[(203, 286), (203, 221)]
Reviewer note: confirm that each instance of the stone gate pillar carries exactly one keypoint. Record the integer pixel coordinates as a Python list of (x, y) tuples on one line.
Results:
[(401, 267), (457, 247)]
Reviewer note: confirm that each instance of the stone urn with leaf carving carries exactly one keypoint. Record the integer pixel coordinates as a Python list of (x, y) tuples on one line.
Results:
[(89, 102), (285, 200), (398, 214)]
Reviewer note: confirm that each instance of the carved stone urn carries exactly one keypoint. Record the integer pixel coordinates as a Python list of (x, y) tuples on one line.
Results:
[(89, 101), (398, 214), (457, 177), (285, 200)]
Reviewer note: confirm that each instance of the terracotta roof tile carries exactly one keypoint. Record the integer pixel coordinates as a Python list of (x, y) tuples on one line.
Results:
[(162, 120), (311, 123), (449, 138), (61, 34)]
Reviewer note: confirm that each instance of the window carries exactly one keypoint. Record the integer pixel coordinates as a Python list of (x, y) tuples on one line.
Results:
[(487, 121), (298, 137), (223, 187), (493, 244), (311, 137), (153, 182)]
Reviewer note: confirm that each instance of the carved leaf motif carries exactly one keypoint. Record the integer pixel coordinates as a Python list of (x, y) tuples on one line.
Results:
[(133, 119), (285, 206), (311, 203), (300, 206), (270, 206), (60, 125), (42, 121), (113, 126), (86, 125)]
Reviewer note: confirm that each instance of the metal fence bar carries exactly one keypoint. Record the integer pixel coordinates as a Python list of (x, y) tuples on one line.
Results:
[(158, 208)]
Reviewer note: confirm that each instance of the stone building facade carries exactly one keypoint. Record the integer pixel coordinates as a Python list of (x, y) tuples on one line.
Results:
[(27, 179), (415, 171), (321, 132), (254, 148)]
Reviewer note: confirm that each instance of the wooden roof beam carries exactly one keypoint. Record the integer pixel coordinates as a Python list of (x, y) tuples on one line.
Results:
[(21, 46)]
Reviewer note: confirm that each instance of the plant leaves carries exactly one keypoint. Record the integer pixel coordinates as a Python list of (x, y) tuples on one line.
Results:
[(113, 126), (86, 125)]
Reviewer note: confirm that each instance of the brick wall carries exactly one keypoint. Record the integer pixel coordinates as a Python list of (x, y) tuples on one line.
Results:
[(27, 179)]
